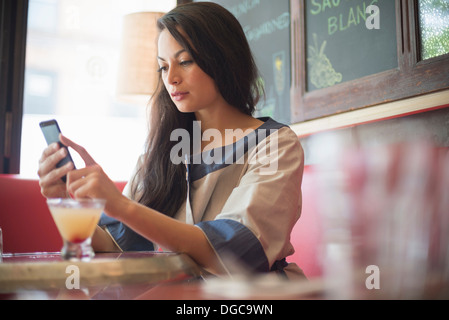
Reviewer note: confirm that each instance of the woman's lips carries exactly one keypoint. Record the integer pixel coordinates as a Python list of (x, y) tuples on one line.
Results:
[(178, 96)]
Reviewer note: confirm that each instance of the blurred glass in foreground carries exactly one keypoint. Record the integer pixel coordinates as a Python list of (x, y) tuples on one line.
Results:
[(385, 211)]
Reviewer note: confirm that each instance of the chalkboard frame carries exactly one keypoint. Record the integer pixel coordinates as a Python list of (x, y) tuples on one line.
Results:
[(412, 78)]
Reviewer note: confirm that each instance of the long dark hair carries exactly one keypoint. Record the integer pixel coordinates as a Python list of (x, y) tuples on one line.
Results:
[(216, 42)]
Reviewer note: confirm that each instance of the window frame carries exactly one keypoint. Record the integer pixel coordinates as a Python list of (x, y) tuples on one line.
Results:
[(13, 30), (412, 78)]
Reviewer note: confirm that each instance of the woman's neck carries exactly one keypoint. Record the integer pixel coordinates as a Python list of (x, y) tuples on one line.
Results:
[(231, 123)]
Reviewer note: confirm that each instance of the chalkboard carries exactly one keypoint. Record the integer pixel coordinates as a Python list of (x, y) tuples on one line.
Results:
[(348, 39), (267, 27)]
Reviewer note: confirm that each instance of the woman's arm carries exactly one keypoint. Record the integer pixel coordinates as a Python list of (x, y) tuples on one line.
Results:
[(92, 182), (174, 235), (167, 232), (102, 241)]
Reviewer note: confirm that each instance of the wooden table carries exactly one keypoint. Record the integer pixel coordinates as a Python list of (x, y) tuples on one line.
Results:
[(107, 276), (137, 276)]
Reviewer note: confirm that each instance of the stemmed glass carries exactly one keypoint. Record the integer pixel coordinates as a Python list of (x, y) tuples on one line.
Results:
[(76, 220)]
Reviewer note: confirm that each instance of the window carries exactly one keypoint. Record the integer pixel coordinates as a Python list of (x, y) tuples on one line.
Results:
[(434, 30), (45, 15), (40, 92), (72, 57), (417, 29)]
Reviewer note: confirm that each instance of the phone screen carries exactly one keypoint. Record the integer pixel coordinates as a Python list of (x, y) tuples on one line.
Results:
[(51, 132)]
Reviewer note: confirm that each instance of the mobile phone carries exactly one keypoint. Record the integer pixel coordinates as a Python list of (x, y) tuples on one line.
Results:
[(51, 131)]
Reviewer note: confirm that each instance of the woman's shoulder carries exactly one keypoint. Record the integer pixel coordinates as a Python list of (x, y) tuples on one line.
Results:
[(278, 141), (282, 132)]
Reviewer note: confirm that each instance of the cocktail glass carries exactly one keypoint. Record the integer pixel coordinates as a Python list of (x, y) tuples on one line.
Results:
[(76, 220)]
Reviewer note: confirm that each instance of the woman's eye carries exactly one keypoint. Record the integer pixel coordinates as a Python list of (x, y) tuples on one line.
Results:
[(162, 69), (186, 63)]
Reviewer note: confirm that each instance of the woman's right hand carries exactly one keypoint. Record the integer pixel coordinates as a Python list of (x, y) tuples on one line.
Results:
[(50, 180)]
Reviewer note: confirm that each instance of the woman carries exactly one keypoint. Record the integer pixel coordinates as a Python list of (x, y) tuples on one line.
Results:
[(236, 196)]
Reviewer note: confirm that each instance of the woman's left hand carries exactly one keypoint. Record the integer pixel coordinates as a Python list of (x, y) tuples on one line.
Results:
[(91, 181)]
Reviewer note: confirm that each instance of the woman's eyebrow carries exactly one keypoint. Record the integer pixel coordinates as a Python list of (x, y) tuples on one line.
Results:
[(177, 54)]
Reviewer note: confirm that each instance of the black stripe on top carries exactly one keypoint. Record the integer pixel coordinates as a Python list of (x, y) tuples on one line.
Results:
[(212, 160)]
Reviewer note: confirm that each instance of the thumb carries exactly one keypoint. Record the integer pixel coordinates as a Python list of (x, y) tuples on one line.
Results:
[(88, 160)]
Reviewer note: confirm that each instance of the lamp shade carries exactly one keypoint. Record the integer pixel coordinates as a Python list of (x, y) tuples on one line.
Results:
[(137, 75)]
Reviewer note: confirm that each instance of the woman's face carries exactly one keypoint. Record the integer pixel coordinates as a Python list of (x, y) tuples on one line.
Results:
[(190, 88)]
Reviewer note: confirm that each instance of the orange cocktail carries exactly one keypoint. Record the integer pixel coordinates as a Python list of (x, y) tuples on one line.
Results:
[(76, 220)]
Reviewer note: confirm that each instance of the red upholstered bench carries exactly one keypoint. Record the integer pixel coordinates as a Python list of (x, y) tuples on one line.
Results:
[(25, 220), (306, 236)]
